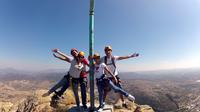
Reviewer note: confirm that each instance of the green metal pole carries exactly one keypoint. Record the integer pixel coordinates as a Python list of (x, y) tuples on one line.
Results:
[(91, 52)]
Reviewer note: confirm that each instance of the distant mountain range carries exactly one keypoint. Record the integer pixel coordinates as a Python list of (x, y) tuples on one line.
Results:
[(14, 74), (55, 74), (165, 91)]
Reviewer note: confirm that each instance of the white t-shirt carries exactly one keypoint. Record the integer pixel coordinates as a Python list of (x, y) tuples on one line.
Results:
[(75, 69), (99, 70), (110, 65)]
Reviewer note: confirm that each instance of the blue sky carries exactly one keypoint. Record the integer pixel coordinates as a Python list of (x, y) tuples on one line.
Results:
[(165, 32)]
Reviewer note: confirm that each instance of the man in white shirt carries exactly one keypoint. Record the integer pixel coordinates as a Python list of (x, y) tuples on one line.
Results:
[(103, 81), (110, 61)]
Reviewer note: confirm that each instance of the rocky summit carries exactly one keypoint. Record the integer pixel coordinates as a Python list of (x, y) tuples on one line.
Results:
[(37, 103)]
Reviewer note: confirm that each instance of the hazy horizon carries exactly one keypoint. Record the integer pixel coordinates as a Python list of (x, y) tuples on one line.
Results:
[(66, 70)]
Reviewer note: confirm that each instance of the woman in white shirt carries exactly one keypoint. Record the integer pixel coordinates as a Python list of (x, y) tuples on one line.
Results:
[(76, 67), (64, 82), (103, 81)]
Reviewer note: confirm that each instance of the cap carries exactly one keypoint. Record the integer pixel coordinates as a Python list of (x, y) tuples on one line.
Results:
[(108, 48), (96, 55), (81, 54)]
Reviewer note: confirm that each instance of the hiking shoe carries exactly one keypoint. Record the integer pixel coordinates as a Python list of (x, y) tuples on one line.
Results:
[(131, 98), (100, 110)]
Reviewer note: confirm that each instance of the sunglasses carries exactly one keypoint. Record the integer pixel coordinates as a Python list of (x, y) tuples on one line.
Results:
[(97, 58)]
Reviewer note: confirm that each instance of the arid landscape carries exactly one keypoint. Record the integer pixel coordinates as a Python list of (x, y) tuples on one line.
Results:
[(167, 91), (164, 91)]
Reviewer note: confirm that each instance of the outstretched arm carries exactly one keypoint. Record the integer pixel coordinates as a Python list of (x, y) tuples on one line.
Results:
[(62, 56), (106, 68), (127, 57), (59, 57)]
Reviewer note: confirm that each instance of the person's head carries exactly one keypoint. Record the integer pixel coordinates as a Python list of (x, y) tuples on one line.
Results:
[(96, 58), (81, 55), (74, 52), (108, 51)]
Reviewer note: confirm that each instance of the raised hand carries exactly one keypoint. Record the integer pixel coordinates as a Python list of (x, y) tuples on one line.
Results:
[(55, 50), (115, 80), (135, 55)]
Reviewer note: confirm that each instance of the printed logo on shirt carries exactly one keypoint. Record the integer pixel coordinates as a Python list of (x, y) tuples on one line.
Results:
[(97, 69)]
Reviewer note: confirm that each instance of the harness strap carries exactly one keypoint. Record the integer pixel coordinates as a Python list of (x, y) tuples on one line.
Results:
[(101, 78), (113, 62)]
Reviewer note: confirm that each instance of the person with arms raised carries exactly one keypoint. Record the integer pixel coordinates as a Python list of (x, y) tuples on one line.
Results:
[(110, 61), (76, 70), (103, 81)]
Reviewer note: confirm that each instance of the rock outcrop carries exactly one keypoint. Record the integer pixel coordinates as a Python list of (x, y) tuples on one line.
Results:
[(5, 106), (37, 103)]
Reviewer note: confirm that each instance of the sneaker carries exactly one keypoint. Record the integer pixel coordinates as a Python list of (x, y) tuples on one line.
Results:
[(131, 98), (100, 110), (100, 107), (104, 103), (54, 101), (55, 97), (60, 96)]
